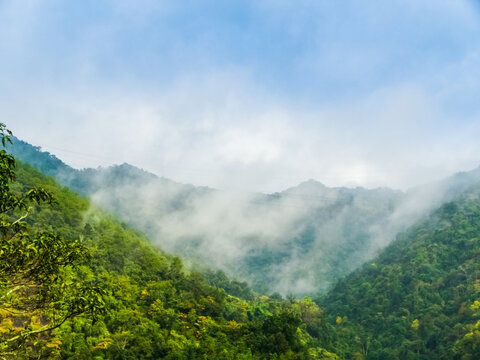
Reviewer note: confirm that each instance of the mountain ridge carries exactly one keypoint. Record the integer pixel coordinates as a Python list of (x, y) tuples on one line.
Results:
[(298, 241)]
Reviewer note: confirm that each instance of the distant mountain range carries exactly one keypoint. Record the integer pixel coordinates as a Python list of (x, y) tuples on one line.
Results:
[(298, 241)]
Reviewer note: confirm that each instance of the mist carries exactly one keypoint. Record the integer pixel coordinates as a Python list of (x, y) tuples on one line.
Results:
[(299, 241)]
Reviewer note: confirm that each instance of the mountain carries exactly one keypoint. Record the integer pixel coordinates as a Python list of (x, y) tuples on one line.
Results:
[(299, 241), (153, 307), (419, 298), (84, 181)]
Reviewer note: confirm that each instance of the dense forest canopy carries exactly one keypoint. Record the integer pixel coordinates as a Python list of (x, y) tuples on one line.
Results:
[(149, 306), (419, 298)]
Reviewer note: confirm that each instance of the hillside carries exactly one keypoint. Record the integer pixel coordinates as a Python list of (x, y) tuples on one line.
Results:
[(299, 241), (419, 298), (154, 308)]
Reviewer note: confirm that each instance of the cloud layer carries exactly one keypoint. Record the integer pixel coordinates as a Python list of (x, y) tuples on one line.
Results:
[(255, 96)]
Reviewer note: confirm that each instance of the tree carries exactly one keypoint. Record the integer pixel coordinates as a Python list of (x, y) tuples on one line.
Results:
[(39, 284)]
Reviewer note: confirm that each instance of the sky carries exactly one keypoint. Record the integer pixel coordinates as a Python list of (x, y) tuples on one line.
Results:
[(251, 95)]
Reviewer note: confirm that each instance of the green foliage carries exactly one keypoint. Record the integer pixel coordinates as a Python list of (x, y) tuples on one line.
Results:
[(154, 308), (468, 347), (232, 287), (412, 302), (39, 286)]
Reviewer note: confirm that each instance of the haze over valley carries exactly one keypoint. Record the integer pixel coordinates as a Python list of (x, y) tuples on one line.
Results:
[(299, 241)]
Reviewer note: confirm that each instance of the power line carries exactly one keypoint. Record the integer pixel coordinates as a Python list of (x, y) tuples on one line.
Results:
[(85, 155)]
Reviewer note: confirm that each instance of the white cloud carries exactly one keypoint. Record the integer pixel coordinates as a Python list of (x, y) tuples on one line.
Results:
[(201, 134), (226, 127)]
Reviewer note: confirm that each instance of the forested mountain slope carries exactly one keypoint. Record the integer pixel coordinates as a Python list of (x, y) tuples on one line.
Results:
[(298, 241), (419, 298), (153, 307)]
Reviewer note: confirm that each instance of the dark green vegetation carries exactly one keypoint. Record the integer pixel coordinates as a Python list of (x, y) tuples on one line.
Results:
[(40, 288), (418, 299), (153, 308)]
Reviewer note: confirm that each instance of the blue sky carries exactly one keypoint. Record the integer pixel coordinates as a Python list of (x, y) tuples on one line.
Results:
[(257, 95)]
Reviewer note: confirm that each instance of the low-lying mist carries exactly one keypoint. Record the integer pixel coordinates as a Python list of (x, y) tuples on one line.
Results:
[(299, 241)]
